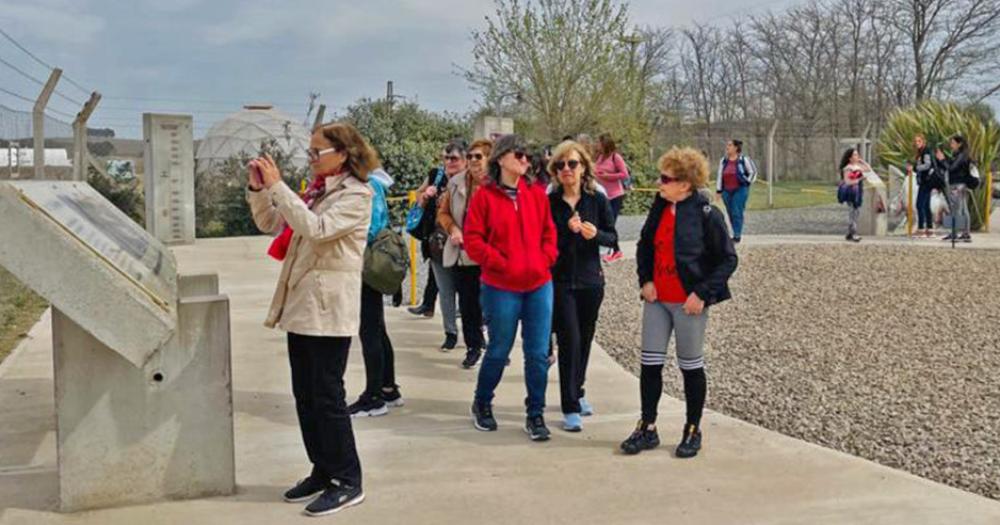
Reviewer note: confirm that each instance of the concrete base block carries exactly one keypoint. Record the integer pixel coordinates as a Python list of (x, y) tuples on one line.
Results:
[(129, 435)]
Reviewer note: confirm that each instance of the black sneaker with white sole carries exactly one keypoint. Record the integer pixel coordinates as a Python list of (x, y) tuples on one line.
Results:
[(368, 405), (393, 398), (335, 499), (535, 427), (471, 357), (482, 417), (306, 489), (450, 342), (644, 437)]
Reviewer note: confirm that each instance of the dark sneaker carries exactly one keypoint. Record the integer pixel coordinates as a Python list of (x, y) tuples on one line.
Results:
[(965, 237), (335, 499), (368, 406), (393, 398), (736, 240), (450, 342), (421, 310), (853, 238), (535, 427), (949, 237), (642, 438), (306, 489), (482, 417), (471, 358), (690, 442)]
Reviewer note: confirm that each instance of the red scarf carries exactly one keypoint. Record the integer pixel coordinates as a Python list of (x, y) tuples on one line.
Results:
[(279, 246)]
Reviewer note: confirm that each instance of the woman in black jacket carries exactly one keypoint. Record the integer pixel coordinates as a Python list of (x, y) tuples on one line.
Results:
[(958, 173), (584, 222), (923, 168), (685, 258)]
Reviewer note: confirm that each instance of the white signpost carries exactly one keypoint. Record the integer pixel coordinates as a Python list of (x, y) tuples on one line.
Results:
[(169, 178)]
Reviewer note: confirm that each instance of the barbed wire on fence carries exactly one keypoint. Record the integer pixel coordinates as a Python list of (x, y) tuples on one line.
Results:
[(17, 125)]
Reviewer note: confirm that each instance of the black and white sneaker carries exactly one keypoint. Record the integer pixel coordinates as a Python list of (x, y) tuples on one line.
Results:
[(482, 417), (335, 499), (450, 342), (644, 437), (471, 358), (393, 398), (965, 237), (306, 489), (535, 427), (690, 442), (368, 406)]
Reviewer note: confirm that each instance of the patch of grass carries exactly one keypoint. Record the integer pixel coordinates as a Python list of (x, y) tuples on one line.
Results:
[(792, 194), (20, 309)]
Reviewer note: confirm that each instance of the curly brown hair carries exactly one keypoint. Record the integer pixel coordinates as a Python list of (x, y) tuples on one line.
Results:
[(687, 165), (361, 157), (588, 182)]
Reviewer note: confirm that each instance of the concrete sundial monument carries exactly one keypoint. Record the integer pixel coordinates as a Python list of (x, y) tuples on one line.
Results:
[(143, 388)]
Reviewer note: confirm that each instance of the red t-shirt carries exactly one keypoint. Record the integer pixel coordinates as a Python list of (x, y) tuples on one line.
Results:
[(668, 284), (730, 176)]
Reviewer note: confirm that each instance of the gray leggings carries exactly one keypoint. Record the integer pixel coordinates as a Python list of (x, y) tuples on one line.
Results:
[(447, 292), (659, 321), (853, 214), (958, 201)]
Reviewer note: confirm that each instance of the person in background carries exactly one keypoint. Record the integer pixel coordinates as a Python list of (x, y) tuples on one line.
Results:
[(852, 173), (465, 272), (584, 223), (509, 232), (736, 173), (923, 168), (611, 171), (381, 390), (958, 170), (684, 261), (317, 298)]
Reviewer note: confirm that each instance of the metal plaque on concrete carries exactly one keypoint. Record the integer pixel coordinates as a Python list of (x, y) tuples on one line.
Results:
[(169, 177), (72, 246)]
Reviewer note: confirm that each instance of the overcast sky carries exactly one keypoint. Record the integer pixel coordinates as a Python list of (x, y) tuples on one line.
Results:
[(208, 58)]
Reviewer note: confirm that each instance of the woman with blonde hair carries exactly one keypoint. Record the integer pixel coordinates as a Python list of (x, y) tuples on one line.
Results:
[(685, 258), (584, 223), (318, 297)]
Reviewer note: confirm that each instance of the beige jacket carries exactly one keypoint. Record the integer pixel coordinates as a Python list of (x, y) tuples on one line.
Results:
[(319, 289), (451, 215)]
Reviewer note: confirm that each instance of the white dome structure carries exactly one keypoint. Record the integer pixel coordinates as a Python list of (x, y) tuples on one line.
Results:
[(243, 132)]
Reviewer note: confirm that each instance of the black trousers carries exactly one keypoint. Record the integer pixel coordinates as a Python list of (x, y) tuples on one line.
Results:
[(574, 318), (318, 365), (380, 361), (468, 285), (431, 290)]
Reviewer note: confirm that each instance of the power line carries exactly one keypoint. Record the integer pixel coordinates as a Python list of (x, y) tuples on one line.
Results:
[(15, 95), (42, 62), (39, 82)]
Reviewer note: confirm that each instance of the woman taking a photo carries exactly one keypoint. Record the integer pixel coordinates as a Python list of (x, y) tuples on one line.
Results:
[(465, 272), (584, 223), (317, 298), (958, 170), (685, 258), (509, 232)]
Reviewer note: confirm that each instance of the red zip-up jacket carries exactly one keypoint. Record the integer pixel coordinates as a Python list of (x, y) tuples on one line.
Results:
[(514, 243)]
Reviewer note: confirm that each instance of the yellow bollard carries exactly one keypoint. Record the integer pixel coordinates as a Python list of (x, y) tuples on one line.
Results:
[(989, 200), (909, 203), (413, 257)]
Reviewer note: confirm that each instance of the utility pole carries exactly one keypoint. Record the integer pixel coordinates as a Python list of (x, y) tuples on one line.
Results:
[(320, 113), (312, 103), (389, 97), (38, 122)]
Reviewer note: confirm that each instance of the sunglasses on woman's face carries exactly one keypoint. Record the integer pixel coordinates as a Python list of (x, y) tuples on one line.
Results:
[(452, 158), (666, 179), (314, 153), (560, 164), (475, 156), (519, 155)]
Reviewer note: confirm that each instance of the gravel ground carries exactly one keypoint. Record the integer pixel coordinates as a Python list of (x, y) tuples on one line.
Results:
[(815, 220), (871, 363)]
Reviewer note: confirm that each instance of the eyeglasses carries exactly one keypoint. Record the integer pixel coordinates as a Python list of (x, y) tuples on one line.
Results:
[(475, 156), (560, 164), (666, 179), (519, 155), (452, 158), (314, 154)]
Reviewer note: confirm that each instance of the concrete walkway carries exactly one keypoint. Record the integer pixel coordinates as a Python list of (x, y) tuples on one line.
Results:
[(424, 463)]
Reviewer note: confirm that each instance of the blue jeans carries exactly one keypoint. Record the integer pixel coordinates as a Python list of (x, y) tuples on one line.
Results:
[(736, 202), (502, 311), (925, 220)]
